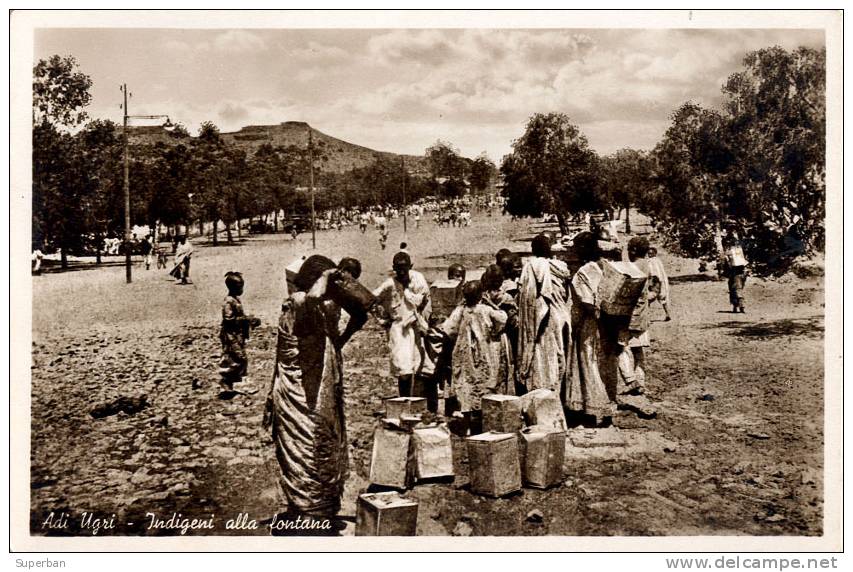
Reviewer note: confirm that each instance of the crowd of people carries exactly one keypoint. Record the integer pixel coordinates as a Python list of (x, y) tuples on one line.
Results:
[(528, 323)]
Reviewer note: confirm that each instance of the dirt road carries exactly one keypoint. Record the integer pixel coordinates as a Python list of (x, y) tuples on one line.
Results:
[(736, 448)]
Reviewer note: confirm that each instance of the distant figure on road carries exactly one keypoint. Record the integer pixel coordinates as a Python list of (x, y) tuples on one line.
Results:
[(37, 258), (162, 257), (146, 247), (183, 255), (733, 266)]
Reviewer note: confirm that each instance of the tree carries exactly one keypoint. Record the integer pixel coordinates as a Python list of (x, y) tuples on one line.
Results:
[(551, 169), (179, 131), (690, 163), (626, 176), (447, 168), (777, 111), (483, 171), (60, 93), (207, 172), (100, 148), (760, 163)]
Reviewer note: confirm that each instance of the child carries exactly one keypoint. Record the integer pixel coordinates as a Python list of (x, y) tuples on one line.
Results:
[(162, 258), (659, 285), (474, 326), (233, 334)]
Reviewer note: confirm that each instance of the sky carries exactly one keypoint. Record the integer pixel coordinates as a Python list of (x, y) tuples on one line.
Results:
[(402, 89)]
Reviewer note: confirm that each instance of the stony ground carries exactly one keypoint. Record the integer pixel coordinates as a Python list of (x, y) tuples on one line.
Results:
[(736, 449)]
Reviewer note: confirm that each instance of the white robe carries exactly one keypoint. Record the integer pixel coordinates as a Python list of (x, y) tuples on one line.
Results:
[(405, 306)]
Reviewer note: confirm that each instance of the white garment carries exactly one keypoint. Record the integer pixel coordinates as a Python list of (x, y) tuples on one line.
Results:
[(406, 307)]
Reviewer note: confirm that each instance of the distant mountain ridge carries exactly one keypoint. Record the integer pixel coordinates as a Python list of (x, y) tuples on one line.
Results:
[(340, 155)]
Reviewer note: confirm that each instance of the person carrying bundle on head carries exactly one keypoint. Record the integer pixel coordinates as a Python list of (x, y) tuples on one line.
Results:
[(445, 296), (305, 405), (733, 266)]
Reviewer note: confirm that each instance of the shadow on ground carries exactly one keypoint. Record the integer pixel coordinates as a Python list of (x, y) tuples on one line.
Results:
[(690, 278), (811, 327), (53, 267)]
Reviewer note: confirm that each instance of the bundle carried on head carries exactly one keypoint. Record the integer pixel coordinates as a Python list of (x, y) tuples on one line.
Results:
[(311, 270)]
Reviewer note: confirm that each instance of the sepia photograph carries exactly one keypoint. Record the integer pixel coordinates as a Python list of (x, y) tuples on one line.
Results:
[(427, 274)]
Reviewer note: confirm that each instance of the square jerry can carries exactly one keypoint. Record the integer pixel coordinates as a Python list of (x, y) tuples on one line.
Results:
[(493, 464), (389, 464), (543, 455), (386, 514), (542, 407), (433, 452), (396, 407), (502, 413)]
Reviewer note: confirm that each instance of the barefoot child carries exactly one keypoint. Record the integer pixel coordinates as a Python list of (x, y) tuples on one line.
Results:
[(233, 333), (474, 326)]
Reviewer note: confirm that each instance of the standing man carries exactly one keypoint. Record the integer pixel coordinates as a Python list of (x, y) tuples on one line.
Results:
[(405, 297)]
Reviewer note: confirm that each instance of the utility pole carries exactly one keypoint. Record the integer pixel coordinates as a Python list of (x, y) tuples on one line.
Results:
[(127, 260), (405, 203), (311, 187)]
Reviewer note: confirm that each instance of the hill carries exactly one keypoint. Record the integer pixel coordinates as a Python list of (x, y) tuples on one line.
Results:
[(341, 156)]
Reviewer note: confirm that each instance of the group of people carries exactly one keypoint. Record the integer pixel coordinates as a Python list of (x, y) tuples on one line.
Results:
[(525, 324)]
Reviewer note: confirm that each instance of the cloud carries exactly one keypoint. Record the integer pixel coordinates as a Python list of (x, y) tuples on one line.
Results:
[(402, 89), (238, 41), (231, 41), (421, 47), (233, 112), (317, 53)]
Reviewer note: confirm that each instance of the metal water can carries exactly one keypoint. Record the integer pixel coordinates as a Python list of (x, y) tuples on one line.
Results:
[(386, 514), (493, 464), (502, 413)]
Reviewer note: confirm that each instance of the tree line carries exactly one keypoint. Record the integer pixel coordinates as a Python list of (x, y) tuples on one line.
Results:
[(78, 174), (757, 164)]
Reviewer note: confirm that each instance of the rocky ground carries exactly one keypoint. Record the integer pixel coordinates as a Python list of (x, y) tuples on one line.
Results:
[(737, 448)]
